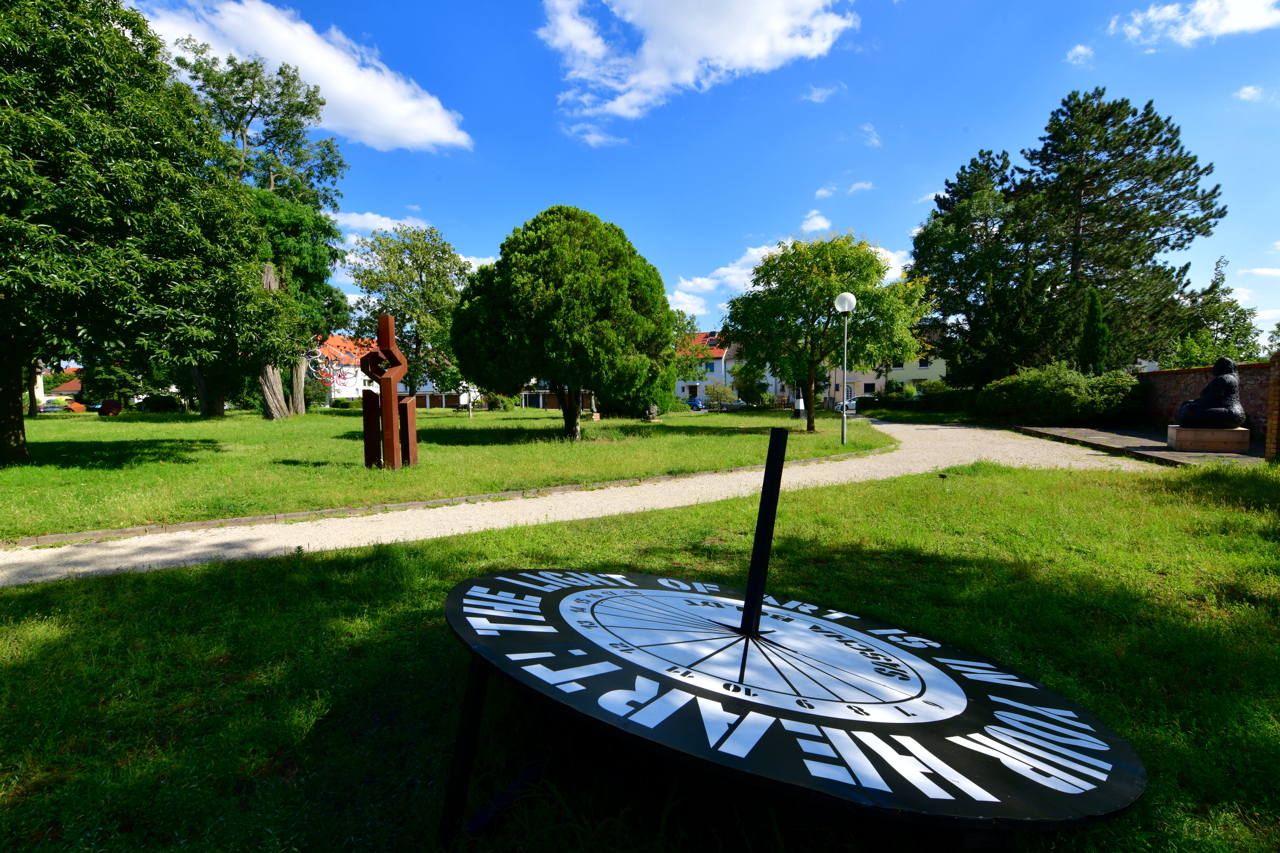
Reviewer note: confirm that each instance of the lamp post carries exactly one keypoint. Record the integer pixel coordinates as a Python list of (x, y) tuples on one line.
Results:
[(845, 303)]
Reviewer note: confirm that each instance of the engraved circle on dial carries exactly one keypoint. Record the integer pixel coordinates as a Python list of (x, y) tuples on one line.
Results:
[(799, 663)]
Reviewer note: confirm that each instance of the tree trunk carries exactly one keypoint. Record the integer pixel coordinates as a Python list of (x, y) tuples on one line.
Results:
[(571, 407), (812, 382), (274, 407), (14, 361), (33, 374), (299, 402), (210, 406)]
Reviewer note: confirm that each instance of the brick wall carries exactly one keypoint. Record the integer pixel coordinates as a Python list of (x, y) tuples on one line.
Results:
[(1167, 389), (1273, 408)]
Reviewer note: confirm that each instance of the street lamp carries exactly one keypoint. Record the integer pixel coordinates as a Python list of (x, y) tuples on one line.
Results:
[(845, 303)]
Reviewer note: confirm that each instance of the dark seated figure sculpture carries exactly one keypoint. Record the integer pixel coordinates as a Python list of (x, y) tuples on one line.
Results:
[(1218, 406)]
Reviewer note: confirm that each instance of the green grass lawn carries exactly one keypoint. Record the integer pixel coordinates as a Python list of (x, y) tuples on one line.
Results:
[(309, 702), (92, 473)]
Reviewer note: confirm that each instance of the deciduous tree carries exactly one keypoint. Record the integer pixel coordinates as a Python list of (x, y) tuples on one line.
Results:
[(787, 318), (571, 303), (1221, 327), (692, 354), (265, 117), (416, 276), (117, 235)]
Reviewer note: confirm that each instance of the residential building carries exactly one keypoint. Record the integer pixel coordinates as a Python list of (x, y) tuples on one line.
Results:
[(336, 364), (914, 372), (716, 367)]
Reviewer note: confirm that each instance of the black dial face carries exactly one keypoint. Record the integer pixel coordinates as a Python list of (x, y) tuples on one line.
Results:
[(860, 710)]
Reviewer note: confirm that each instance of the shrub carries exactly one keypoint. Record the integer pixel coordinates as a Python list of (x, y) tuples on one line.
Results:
[(947, 400), (160, 403), (500, 402), (934, 386), (1056, 394), (342, 403)]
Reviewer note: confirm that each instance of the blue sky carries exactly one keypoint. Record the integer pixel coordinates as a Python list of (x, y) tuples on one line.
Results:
[(711, 129)]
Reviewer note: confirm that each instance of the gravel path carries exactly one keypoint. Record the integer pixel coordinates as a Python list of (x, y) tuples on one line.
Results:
[(923, 448)]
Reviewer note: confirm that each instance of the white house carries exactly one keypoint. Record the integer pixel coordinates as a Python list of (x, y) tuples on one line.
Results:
[(336, 363)]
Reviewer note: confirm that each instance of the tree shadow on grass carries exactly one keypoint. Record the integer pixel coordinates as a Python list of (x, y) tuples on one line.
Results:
[(313, 699), (307, 463), (1249, 487), (120, 454)]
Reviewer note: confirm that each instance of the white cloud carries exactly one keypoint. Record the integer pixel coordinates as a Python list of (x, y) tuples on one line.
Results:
[(476, 263), (860, 185), (896, 261), (869, 133), (818, 95), (1238, 293), (930, 197), (1200, 19), (1080, 54), (680, 46), (824, 192), (735, 276), (367, 101), (915, 231), (815, 221), (592, 135), (1275, 247), (1269, 314), (371, 221), (1262, 271), (413, 207), (1248, 93), (688, 303)]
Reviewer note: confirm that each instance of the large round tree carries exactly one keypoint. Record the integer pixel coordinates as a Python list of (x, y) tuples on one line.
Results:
[(119, 241), (787, 318), (571, 303)]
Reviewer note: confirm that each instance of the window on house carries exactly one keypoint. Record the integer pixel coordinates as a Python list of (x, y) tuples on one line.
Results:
[(869, 388), (711, 367), (837, 386), (897, 365), (924, 362)]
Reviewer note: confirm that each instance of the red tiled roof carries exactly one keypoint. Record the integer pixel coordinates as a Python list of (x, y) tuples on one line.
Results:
[(340, 350), (71, 387), (704, 337)]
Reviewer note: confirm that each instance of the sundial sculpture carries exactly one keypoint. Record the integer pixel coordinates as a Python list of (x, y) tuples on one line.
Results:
[(792, 694), (390, 423)]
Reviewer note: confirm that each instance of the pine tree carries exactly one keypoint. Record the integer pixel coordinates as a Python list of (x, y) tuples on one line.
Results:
[(1095, 337), (1012, 254)]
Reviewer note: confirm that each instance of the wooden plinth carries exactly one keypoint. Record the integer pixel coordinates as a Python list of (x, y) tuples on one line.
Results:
[(1209, 440)]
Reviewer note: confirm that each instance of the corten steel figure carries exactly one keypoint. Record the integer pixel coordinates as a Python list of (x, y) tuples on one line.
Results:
[(388, 420), (1218, 406)]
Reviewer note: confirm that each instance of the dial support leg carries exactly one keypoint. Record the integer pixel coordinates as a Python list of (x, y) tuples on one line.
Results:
[(464, 752), (763, 543)]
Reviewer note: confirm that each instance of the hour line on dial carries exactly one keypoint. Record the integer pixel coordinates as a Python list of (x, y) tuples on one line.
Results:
[(675, 632)]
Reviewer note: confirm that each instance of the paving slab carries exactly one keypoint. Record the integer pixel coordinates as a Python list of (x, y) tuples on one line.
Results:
[(1147, 445)]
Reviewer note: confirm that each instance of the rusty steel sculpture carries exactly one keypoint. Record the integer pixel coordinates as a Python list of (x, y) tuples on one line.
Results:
[(390, 421)]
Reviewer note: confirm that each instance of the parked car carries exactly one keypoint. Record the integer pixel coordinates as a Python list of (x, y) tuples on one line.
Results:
[(851, 405), (51, 409), (695, 404)]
